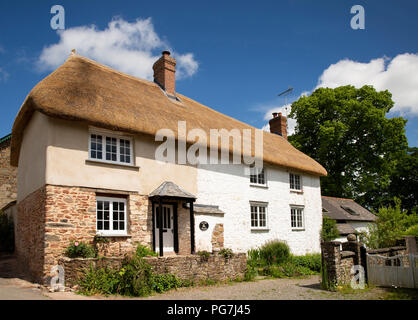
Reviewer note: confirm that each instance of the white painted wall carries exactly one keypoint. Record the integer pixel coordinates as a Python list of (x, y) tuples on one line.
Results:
[(228, 187), (204, 238)]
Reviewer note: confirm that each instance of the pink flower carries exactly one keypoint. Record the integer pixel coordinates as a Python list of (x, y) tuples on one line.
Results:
[(76, 244)]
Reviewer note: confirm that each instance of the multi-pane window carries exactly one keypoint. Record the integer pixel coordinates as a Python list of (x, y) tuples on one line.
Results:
[(258, 176), (96, 146), (295, 180), (111, 216), (296, 217), (125, 151), (258, 216), (111, 149)]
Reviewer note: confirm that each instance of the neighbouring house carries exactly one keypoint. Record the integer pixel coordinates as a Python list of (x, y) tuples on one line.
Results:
[(351, 217), (85, 142), (8, 174)]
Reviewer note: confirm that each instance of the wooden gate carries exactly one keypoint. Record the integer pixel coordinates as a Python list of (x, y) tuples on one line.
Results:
[(400, 271)]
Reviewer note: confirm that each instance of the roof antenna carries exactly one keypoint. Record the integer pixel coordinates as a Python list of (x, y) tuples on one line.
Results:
[(285, 93)]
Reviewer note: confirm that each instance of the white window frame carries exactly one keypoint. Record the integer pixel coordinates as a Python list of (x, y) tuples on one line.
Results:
[(105, 135), (296, 207), (259, 204), (257, 184), (300, 182), (112, 232)]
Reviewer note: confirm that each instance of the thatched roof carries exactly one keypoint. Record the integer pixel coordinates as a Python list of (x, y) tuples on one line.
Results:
[(86, 91), (345, 209)]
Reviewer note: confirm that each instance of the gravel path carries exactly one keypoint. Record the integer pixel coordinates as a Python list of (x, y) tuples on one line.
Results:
[(268, 289)]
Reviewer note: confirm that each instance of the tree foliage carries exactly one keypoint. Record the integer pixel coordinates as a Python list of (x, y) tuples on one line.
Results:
[(391, 225), (345, 130), (329, 229)]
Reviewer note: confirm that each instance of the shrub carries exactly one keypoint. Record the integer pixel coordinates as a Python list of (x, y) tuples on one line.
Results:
[(95, 281), (80, 250), (329, 229), (136, 278), (226, 253), (390, 226), (274, 252), (144, 251), (412, 231), (165, 282), (204, 255), (7, 234), (310, 261)]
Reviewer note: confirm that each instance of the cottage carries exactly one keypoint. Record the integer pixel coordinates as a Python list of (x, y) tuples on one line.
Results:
[(351, 217), (84, 142)]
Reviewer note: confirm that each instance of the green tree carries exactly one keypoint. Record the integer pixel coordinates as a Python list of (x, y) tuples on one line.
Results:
[(345, 129), (392, 224), (329, 229)]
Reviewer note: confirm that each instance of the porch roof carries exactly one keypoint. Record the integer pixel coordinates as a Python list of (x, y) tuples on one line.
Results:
[(169, 189)]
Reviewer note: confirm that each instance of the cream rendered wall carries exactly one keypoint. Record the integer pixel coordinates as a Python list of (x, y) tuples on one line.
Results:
[(32, 158), (68, 152), (228, 187), (203, 239)]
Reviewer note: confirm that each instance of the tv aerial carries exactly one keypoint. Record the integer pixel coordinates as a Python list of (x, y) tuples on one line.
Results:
[(284, 94)]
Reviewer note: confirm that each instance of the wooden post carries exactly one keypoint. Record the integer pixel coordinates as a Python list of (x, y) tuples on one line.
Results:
[(176, 229), (153, 227), (160, 230), (192, 245)]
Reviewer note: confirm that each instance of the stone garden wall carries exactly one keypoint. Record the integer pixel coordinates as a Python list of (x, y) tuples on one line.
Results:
[(192, 267), (339, 258), (8, 176)]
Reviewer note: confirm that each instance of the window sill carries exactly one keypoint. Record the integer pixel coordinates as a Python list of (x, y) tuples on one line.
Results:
[(114, 235), (296, 191), (260, 229), (264, 186), (113, 164), (303, 229)]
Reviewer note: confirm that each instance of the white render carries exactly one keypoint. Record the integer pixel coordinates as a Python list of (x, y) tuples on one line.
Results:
[(228, 187)]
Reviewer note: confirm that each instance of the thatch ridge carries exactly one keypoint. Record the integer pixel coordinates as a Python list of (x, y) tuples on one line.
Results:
[(84, 90)]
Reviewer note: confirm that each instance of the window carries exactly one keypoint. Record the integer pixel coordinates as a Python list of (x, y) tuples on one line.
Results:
[(258, 176), (296, 217), (111, 216), (294, 180), (258, 216), (350, 211), (118, 150)]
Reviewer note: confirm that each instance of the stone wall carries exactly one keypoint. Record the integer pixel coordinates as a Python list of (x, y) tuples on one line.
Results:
[(8, 176), (30, 234), (53, 216), (339, 262), (191, 267)]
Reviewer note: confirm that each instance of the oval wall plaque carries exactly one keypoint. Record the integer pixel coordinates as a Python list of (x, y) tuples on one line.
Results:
[(204, 226)]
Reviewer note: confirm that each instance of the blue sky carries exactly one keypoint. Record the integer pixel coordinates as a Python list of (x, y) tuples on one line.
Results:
[(234, 56)]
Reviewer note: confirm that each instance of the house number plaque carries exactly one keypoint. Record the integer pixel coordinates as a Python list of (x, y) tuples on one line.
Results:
[(204, 226)]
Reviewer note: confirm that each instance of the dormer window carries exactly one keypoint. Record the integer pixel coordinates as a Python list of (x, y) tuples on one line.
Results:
[(109, 148)]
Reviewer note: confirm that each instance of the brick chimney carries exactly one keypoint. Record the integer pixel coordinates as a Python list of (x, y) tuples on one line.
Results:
[(278, 124), (164, 73)]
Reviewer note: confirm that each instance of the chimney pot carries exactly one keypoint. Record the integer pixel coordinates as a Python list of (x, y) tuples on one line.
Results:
[(164, 73), (278, 125)]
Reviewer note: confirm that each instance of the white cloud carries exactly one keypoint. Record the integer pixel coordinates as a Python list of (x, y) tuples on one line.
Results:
[(398, 75), (128, 47)]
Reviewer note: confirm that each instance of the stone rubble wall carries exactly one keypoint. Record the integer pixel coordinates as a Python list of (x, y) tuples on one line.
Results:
[(8, 176), (191, 267)]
